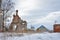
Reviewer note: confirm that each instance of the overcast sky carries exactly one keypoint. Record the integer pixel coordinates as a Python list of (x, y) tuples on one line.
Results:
[(39, 12)]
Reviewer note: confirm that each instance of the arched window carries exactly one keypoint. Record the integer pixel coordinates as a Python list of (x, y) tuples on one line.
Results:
[(14, 27)]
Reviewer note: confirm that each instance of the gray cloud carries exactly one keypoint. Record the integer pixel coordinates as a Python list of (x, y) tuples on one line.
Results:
[(40, 9)]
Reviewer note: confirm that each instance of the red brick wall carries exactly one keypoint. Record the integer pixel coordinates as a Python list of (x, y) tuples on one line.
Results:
[(57, 28)]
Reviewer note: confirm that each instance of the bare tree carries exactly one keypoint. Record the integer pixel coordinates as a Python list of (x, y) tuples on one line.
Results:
[(7, 7)]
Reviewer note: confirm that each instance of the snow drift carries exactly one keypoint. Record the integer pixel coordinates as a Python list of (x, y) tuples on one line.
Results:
[(36, 36)]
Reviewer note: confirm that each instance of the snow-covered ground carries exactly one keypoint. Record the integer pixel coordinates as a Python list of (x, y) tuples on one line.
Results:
[(36, 36)]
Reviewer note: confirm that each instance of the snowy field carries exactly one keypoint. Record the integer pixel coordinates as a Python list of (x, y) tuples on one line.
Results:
[(36, 36)]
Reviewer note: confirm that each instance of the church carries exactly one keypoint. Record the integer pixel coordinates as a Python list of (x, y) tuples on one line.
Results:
[(17, 24)]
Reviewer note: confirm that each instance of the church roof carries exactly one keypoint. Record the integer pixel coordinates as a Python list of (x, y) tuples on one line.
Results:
[(56, 24), (42, 28)]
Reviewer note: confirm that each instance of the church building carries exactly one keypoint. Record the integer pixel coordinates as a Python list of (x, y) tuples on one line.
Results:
[(17, 25)]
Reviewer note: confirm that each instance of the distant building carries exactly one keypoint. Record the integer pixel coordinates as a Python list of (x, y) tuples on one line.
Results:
[(17, 24), (56, 27), (32, 27), (42, 29)]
